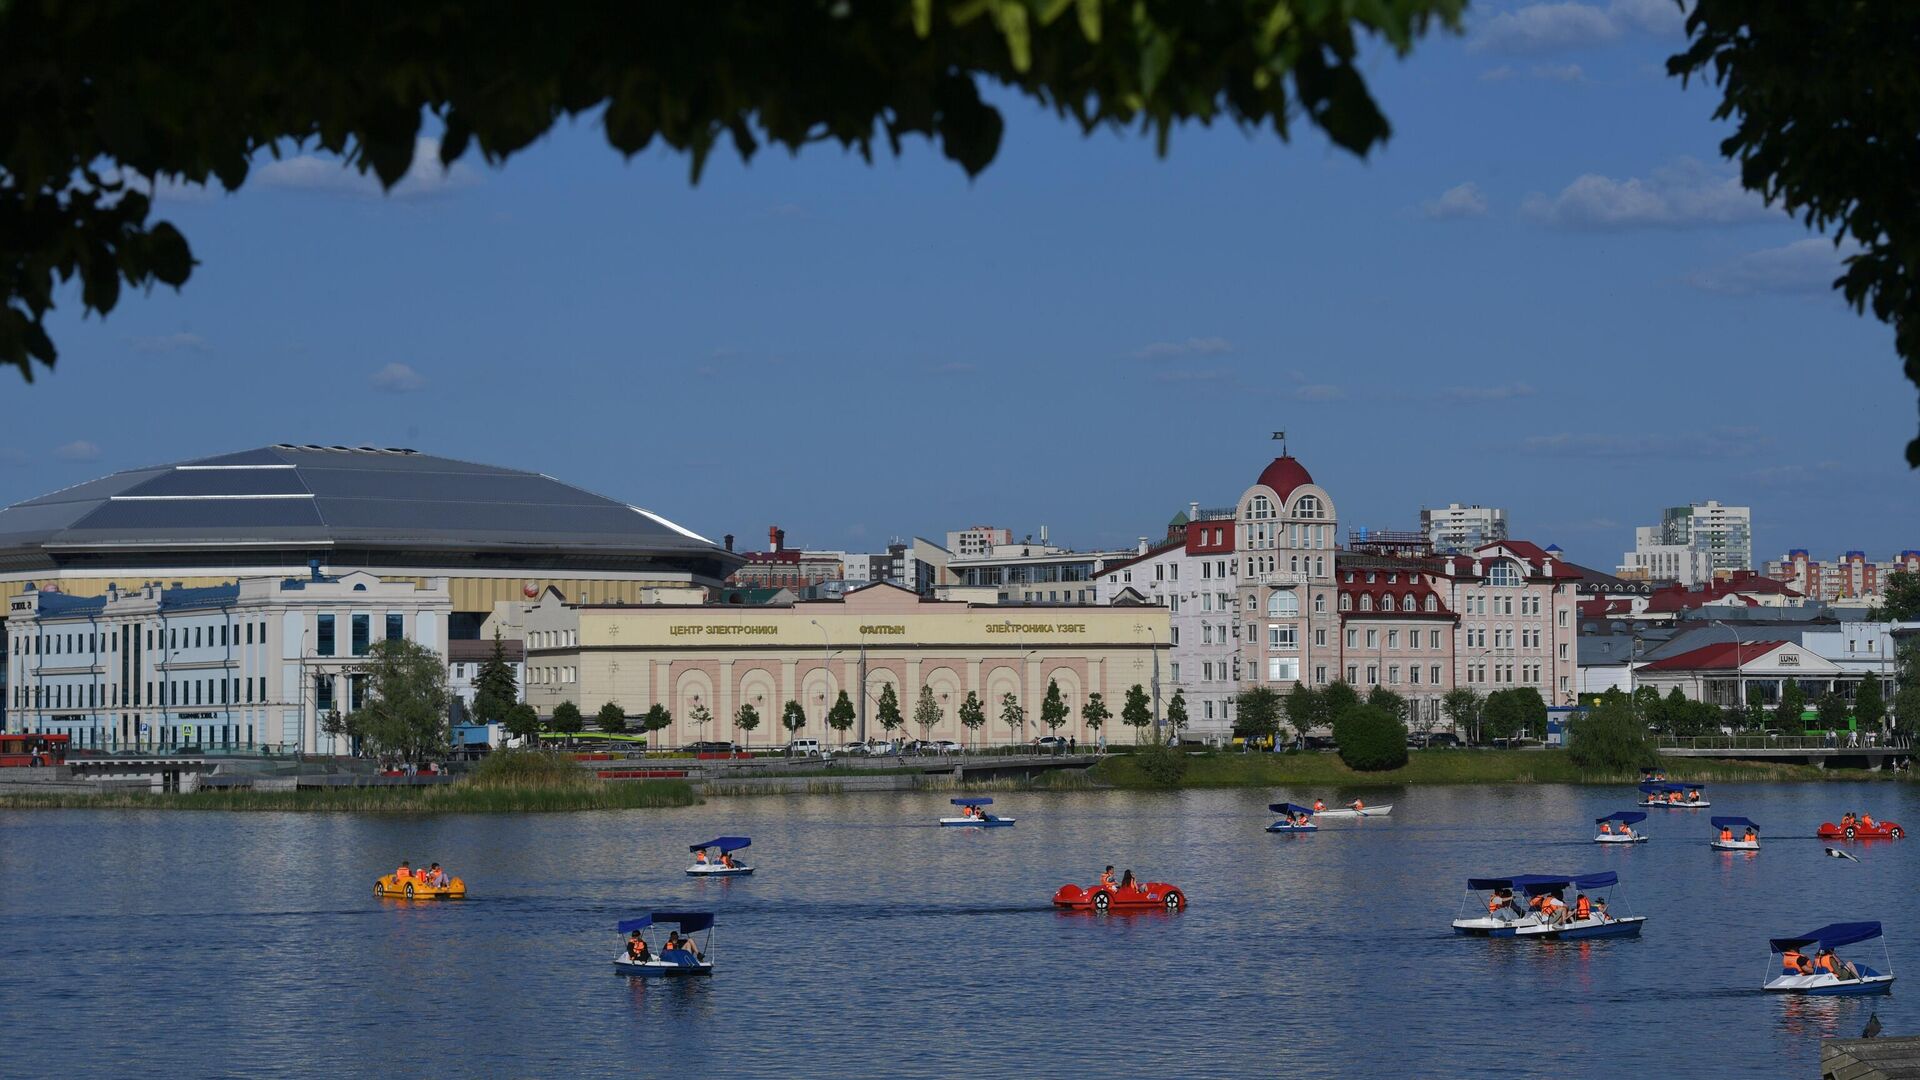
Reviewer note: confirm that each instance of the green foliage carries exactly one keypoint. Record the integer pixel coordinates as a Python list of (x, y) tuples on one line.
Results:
[(1826, 110), (926, 712), (405, 715), (1177, 711), (1906, 694), (1370, 738), (96, 94), (1134, 712), (567, 719), (656, 718), (1256, 713), (1754, 717), (1462, 706), (1789, 716), (495, 690), (746, 718), (522, 722), (1610, 736), (1833, 711), (1095, 713), (888, 710), (1053, 708), (840, 716), (699, 716), (524, 768), (1337, 698), (1510, 713), (1013, 715), (1902, 598), (973, 714), (792, 716), (1305, 708), (1869, 708), (611, 718), (1163, 766), (1382, 698)]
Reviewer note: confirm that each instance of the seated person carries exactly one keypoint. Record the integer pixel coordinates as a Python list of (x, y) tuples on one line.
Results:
[(700, 857), (1866, 821), (1791, 961), (1626, 829), (1553, 910), (1127, 881), (726, 859), (436, 877), (1752, 837), (1846, 820), (1500, 903), (402, 875), (1606, 828), (1582, 908), (1600, 911), (637, 948), (1106, 880), (1726, 834)]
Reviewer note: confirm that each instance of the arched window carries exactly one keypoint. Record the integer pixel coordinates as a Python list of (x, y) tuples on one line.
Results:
[(1309, 507), (1366, 601), (1386, 601), (1346, 602), (1283, 604), (1320, 603), (1504, 573), (1293, 563), (1410, 604), (1260, 508), (1433, 603)]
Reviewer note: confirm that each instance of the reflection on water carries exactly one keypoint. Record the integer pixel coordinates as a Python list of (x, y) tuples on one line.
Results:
[(873, 943)]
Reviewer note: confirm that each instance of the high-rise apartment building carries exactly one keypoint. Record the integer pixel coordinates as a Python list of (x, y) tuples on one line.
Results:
[(1456, 528), (1724, 532)]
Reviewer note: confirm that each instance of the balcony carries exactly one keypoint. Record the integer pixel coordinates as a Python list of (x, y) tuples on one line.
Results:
[(1282, 577)]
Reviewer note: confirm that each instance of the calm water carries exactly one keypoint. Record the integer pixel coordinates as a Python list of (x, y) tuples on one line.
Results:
[(874, 944)]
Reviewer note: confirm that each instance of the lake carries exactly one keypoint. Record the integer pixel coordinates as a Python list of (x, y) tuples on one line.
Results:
[(871, 943)]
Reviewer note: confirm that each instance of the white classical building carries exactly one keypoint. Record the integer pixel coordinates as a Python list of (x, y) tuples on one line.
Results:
[(252, 664), (1286, 538)]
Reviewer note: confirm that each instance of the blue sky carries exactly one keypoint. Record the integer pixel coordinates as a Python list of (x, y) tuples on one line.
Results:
[(1546, 293)]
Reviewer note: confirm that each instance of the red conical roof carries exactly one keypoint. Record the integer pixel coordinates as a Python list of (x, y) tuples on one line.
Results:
[(1284, 475)]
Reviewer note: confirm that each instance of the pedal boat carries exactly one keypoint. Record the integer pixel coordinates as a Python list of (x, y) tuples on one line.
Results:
[(986, 820), (713, 867), (1512, 919), (1882, 830), (390, 888), (1624, 834), (1826, 984), (1150, 896), (1731, 823), (1349, 812), (678, 963), (1288, 823), (1656, 795)]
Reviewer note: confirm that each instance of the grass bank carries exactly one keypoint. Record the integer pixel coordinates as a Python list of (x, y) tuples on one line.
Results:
[(1448, 767)]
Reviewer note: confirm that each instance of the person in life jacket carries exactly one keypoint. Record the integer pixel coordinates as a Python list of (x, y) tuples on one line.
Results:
[(436, 877), (1553, 909), (1357, 805), (1319, 805), (1600, 911), (1626, 829), (1752, 836), (405, 872), (1693, 796), (726, 859), (1582, 908), (1606, 828), (1846, 820), (637, 948), (1500, 900), (1790, 961), (1106, 879), (1866, 821), (700, 857), (1824, 962), (1726, 834)]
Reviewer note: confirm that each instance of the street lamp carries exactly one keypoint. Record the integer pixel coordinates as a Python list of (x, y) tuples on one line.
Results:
[(1154, 643), (826, 668), (1739, 676)]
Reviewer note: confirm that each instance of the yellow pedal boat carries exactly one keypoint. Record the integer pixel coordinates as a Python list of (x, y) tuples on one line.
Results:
[(413, 889)]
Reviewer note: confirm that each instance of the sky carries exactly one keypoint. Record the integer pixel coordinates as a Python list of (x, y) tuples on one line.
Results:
[(1547, 293)]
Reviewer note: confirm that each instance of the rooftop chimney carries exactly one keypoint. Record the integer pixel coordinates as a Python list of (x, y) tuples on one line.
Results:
[(773, 538), (729, 539), (1143, 545)]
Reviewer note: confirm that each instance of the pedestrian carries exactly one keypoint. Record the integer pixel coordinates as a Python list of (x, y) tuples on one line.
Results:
[(1071, 745)]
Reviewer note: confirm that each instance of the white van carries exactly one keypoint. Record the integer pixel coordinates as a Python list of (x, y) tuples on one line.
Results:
[(803, 747)]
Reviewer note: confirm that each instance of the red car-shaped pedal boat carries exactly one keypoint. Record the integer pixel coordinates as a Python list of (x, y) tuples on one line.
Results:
[(1152, 896), (1881, 830)]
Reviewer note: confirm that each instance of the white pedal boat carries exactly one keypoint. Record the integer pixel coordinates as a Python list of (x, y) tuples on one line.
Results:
[(717, 865), (986, 820), (678, 963), (1513, 920), (1626, 820), (1735, 843), (1656, 795), (1825, 983), (1349, 812)]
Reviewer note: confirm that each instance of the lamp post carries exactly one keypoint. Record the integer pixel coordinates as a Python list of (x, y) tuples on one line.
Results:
[(1153, 640), (826, 671), (1739, 676)]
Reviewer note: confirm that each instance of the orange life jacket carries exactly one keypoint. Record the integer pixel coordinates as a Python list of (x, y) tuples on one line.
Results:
[(1866, 820), (699, 857), (1582, 908), (1726, 834), (1790, 962), (1106, 881), (1318, 806), (1825, 963), (1605, 828), (1495, 904), (1537, 903), (403, 873)]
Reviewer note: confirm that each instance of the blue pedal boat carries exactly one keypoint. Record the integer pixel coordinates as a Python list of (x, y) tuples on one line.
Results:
[(1295, 818)]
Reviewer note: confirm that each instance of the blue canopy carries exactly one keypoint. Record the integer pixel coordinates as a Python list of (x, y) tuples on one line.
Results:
[(1625, 817), (971, 802), (724, 843), (1289, 808), (1734, 823), (1534, 884), (1649, 770), (1829, 937), (1651, 787), (689, 921)]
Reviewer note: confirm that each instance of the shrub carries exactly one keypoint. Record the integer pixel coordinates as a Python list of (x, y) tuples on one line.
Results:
[(1161, 764), (1370, 739), (1610, 736), (525, 768)]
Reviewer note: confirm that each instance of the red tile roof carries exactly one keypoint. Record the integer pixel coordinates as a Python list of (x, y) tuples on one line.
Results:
[(1284, 475), (1720, 656), (1602, 607), (1679, 598)]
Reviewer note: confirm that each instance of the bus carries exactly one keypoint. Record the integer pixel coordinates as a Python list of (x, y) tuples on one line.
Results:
[(26, 749)]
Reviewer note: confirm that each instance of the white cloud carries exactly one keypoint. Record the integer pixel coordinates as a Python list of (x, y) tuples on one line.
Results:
[(1318, 392), (1548, 27), (78, 450), (1500, 392), (397, 378), (1459, 201), (1569, 73), (1681, 194), (1194, 346), (1804, 266), (1725, 442), (183, 341), (313, 172)]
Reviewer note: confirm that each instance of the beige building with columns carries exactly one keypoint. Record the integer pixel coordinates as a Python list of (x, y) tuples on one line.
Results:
[(721, 658)]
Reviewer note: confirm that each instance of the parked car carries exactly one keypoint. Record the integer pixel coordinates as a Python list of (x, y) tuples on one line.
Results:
[(1050, 744), (947, 746), (881, 747), (712, 748), (803, 747), (1443, 740)]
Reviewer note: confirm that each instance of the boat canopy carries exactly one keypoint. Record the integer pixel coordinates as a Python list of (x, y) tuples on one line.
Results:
[(1650, 787), (1651, 770), (1533, 884), (690, 921), (1625, 817), (724, 843), (1829, 937), (1734, 823), (1289, 808), (978, 801)]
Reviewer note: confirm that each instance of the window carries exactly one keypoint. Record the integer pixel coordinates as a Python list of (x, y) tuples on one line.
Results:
[(1283, 637), (1366, 601), (1433, 639), (1206, 633), (1373, 639), (1308, 506), (1259, 508), (1434, 674), (1386, 602), (323, 639), (1563, 616), (1413, 674), (1283, 604), (356, 692), (396, 626), (1346, 602), (1353, 639), (1413, 639), (1319, 603), (1353, 674), (1320, 637), (1409, 603), (1320, 674), (1373, 675), (1283, 669), (1206, 601), (1173, 636), (1393, 673), (1433, 603), (1175, 667), (1563, 650), (1393, 639), (1504, 574), (362, 634)]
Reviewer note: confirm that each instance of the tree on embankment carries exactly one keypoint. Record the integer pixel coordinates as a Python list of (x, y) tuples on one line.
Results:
[(1610, 736), (1370, 739)]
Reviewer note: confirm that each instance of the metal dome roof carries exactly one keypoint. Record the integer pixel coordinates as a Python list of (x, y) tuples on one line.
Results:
[(1285, 474), (357, 497)]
